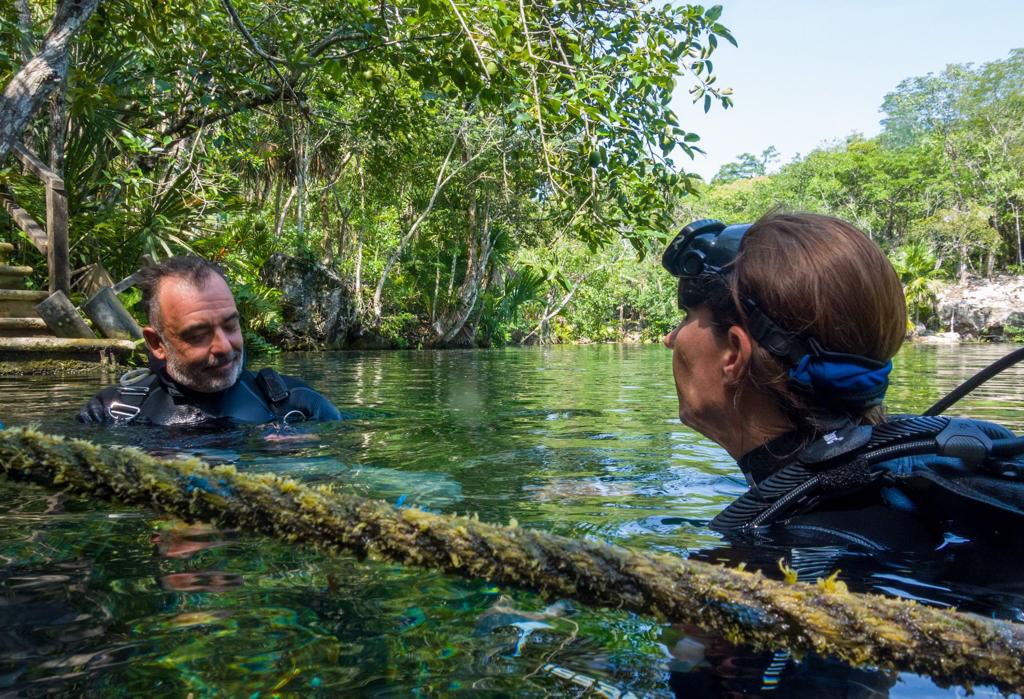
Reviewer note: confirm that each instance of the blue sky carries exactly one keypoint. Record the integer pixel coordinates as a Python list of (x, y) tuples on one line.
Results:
[(807, 73)]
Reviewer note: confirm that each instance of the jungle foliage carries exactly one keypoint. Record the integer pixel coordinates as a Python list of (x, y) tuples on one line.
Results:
[(414, 147), (483, 173)]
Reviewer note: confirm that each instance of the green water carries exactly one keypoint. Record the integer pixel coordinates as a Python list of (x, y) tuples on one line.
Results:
[(582, 441)]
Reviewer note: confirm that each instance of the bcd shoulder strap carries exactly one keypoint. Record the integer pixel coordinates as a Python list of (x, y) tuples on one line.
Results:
[(843, 462), (132, 391), (273, 386), (277, 393)]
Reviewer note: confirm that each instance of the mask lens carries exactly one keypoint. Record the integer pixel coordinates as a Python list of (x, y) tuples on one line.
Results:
[(693, 263)]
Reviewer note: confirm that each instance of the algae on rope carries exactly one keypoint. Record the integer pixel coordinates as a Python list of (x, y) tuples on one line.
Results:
[(860, 629)]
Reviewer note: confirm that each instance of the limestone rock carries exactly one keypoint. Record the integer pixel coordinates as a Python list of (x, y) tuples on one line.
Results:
[(930, 338), (981, 307), (317, 305)]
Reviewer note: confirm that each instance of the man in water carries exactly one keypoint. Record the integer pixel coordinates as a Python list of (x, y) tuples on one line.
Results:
[(196, 375)]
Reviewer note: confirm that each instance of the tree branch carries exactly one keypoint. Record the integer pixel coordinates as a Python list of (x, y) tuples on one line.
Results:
[(469, 35), (334, 37), (249, 39), (32, 85), (272, 61)]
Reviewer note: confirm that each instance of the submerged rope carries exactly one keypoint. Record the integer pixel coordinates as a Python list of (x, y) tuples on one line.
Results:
[(746, 608)]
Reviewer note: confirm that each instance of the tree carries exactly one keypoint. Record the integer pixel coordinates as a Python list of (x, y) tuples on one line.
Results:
[(746, 166), (28, 89)]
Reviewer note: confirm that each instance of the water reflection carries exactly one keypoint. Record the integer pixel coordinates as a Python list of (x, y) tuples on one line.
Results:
[(579, 441)]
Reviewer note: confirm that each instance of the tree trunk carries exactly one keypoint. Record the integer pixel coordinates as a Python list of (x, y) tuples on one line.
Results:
[(439, 184), (279, 227), (1016, 225), (359, 271), (328, 244), (302, 171), (32, 85), (437, 290), (478, 255), (26, 49)]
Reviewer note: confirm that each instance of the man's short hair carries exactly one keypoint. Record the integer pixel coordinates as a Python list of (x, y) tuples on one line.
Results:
[(188, 267)]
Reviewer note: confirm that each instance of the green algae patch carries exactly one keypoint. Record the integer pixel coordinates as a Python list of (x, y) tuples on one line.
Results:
[(826, 618), (58, 367)]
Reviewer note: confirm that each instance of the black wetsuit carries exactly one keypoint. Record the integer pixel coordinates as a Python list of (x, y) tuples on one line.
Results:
[(927, 527), (156, 399), (860, 517), (903, 504)]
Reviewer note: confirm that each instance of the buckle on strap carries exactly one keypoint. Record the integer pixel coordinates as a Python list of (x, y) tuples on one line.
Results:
[(134, 390), (293, 416), (123, 411), (129, 402)]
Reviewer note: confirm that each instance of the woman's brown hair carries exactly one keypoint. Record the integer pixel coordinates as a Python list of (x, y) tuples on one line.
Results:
[(819, 277)]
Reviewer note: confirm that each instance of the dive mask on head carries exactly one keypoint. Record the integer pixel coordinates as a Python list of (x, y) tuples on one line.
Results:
[(701, 258), (698, 256)]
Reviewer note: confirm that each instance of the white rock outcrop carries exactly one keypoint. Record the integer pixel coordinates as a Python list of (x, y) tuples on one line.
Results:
[(980, 307)]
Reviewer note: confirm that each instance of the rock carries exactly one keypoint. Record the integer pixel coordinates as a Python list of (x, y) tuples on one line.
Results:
[(317, 306), (936, 338), (369, 340), (981, 307)]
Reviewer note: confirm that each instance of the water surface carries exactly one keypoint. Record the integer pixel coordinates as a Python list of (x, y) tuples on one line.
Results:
[(582, 441)]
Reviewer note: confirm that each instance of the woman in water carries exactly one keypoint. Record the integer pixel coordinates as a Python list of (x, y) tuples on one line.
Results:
[(783, 358)]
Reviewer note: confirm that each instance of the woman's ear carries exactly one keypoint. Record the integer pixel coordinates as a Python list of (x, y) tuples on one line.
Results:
[(738, 350)]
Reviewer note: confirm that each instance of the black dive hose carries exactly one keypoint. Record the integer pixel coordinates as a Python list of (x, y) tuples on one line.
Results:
[(975, 381), (1008, 447), (1011, 446)]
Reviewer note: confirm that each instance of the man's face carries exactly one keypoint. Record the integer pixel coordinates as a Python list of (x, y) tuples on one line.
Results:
[(199, 333)]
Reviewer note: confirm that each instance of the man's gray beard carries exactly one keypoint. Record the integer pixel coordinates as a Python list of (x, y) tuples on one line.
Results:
[(200, 382)]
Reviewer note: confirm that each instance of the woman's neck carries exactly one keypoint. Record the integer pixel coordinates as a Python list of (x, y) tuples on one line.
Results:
[(755, 420)]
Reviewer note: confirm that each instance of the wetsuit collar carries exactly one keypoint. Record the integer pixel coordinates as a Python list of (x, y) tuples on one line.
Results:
[(757, 464)]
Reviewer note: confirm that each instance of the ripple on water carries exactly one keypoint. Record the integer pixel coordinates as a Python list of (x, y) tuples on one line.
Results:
[(102, 600)]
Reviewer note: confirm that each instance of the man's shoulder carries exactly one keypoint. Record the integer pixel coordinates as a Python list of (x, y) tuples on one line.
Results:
[(96, 410), (299, 394), (269, 376)]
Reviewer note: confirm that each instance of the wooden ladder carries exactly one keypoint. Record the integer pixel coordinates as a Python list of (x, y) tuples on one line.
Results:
[(23, 334), (53, 241)]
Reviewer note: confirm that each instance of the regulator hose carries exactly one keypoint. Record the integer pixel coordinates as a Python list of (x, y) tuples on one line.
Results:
[(972, 383)]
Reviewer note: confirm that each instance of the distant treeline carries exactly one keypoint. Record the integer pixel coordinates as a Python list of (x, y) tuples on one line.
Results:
[(940, 189)]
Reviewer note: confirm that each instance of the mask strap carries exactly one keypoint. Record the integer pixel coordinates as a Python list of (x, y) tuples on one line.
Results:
[(769, 335)]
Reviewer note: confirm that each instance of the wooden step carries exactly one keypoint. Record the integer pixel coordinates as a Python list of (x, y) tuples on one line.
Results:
[(23, 327), (19, 303), (32, 348), (13, 277)]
